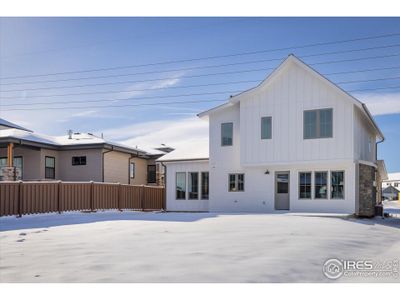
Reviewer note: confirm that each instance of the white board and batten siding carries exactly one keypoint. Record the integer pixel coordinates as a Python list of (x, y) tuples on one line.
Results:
[(364, 145), (285, 99), (184, 204)]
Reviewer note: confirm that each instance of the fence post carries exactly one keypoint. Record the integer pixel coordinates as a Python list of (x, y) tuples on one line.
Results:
[(91, 196), (59, 196), (19, 198), (142, 197), (119, 197)]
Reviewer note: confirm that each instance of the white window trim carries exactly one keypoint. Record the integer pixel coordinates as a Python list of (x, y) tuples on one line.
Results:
[(318, 123), (344, 185), (176, 184), (298, 184), (198, 185), (236, 182), (329, 171)]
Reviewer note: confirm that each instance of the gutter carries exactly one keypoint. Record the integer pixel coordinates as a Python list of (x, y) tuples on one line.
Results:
[(165, 185), (129, 165), (102, 162)]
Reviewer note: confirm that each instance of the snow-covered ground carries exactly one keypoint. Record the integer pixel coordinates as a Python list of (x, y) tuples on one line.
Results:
[(392, 207), (188, 247)]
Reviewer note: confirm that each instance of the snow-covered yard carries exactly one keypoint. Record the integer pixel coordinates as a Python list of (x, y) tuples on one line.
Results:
[(392, 207), (188, 247)]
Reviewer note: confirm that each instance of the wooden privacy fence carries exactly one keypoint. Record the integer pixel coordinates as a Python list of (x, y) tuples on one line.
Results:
[(22, 198)]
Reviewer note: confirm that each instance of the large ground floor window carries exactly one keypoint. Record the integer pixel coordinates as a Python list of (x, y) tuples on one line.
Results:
[(17, 162), (192, 185), (317, 184)]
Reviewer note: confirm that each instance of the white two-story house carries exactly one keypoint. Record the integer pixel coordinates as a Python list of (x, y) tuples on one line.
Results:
[(295, 142)]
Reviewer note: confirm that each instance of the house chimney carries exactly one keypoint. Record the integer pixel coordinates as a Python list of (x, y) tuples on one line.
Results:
[(102, 136), (70, 134)]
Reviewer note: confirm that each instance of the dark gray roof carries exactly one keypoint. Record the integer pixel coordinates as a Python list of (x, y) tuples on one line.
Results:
[(12, 125)]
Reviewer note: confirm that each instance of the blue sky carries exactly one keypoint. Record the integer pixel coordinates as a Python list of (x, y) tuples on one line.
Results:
[(52, 45)]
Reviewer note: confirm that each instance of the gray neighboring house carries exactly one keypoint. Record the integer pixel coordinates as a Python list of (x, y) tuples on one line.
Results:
[(26, 155)]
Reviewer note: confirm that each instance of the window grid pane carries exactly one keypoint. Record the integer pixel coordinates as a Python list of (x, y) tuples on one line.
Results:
[(321, 185), (232, 182), (310, 124), (193, 185), (204, 185), (305, 185), (50, 162), (240, 182), (325, 123), (180, 185), (337, 185)]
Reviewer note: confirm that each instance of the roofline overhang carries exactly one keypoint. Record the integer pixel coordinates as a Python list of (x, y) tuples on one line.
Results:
[(182, 160), (22, 142)]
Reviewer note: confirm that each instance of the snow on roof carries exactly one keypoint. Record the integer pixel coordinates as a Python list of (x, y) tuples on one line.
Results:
[(27, 136), (77, 139), (191, 150), (12, 125), (393, 176)]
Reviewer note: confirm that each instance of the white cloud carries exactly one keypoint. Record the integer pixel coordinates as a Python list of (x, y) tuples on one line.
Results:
[(381, 104), (174, 133), (135, 90)]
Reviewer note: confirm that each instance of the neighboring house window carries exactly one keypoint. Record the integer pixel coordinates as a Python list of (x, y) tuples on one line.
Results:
[(151, 173), (204, 185), (17, 162), (305, 185), (266, 128), (226, 134), (337, 184), (132, 170), (193, 185), (180, 185), (236, 182), (317, 123), (396, 184), (50, 167), (78, 160), (321, 185)]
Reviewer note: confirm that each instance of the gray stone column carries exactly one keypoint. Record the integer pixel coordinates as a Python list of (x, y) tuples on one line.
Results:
[(366, 191)]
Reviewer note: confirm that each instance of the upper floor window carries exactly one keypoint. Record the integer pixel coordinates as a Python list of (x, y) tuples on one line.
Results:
[(78, 160), (226, 134), (317, 123), (50, 167), (266, 128)]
